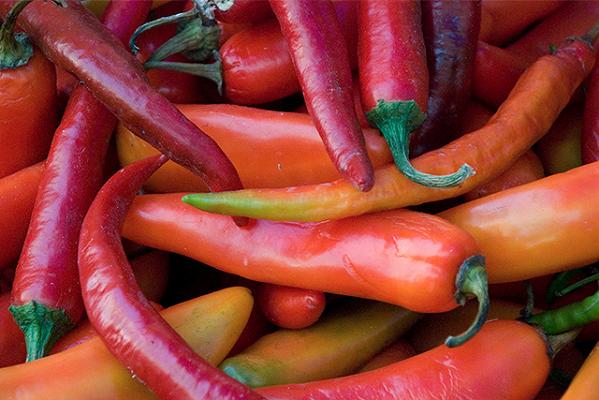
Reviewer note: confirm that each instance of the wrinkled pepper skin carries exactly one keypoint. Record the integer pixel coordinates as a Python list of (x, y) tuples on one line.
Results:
[(528, 113), (402, 257), (337, 345), (17, 195), (268, 148), (536, 229), (210, 324), (505, 360)]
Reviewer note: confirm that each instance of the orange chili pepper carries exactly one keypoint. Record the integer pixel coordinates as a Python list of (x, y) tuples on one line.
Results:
[(268, 148), (528, 113), (17, 195), (539, 228)]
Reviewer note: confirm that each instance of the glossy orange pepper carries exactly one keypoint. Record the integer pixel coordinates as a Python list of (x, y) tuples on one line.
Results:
[(539, 228), (527, 168), (210, 324), (28, 103), (585, 385), (506, 360), (268, 148), (528, 113), (17, 195)]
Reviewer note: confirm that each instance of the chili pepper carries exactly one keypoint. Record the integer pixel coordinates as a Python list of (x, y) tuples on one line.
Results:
[(321, 64), (451, 32), (527, 168), (12, 342), (241, 11), (574, 18), (398, 351), (559, 215), (149, 348), (46, 300), (17, 195), (268, 148), (506, 360), (256, 327), (394, 80), (590, 127), (504, 20), (560, 148), (530, 110), (496, 71), (584, 385), (335, 346), (289, 307), (77, 41), (210, 324), (371, 256), (28, 104)]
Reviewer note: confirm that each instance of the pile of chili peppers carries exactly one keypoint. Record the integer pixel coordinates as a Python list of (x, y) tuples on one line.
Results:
[(318, 199)]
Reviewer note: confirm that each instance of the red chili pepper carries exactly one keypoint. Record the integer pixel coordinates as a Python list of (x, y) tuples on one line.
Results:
[(533, 106), (590, 126), (451, 32), (506, 360), (241, 11), (131, 329), (290, 307), (73, 38), (28, 104), (321, 64), (394, 80), (402, 257), (504, 20), (496, 72), (17, 195), (46, 299)]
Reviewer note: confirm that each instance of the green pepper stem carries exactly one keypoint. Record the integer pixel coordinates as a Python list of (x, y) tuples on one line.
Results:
[(396, 120), (42, 326), (591, 35), (212, 71), (556, 343), (579, 284), (558, 283), (197, 40), (15, 49), (471, 279)]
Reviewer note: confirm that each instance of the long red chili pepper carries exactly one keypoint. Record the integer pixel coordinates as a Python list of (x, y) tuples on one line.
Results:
[(451, 30), (410, 259), (321, 63), (590, 125), (528, 113), (506, 360), (28, 105), (46, 299), (394, 80), (131, 329), (73, 38)]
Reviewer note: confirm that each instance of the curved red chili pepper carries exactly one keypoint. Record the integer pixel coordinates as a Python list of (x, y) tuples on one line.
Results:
[(46, 299), (131, 329), (451, 30), (394, 80), (73, 38), (321, 63)]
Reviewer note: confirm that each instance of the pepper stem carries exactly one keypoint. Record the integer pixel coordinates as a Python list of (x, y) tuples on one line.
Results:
[(559, 282), (15, 49), (212, 71), (396, 121), (42, 326), (558, 342), (579, 284), (471, 279)]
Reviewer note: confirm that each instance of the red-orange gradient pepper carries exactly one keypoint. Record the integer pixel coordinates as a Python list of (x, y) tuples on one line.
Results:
[(528, 113), (506, 360), (401, 257)]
